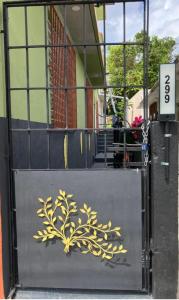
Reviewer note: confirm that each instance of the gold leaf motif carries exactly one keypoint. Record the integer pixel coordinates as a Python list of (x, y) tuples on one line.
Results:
[(73, 224), (50, 212), (93, 213), (109, 224), (85, 252), (49, 205), (67, 225), (41, 200), (78, 244), (49, 199), (41, 215), (36, 237), (120, 247), (87, 235), (46, 223), (123, 251)]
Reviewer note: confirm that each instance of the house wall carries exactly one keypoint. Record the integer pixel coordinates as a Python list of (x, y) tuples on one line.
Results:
[(37, 72), (135, 108), (18, 69), (81, 109), (2, 72)]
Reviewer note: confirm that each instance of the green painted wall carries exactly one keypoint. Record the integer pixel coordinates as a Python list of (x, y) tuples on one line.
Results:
[(37, 72), (18, 68), (81, 110), (2, 72), (95, 103)]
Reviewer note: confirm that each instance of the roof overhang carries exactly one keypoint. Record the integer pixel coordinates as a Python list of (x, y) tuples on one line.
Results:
[(75, 24)]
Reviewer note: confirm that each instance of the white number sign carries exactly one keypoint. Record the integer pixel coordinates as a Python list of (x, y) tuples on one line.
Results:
[(167, 92)]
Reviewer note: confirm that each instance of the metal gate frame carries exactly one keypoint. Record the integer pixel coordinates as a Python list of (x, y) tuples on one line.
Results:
[(146, 209)]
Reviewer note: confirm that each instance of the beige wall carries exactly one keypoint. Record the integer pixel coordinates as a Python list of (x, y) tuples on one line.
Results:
[(135, 108)]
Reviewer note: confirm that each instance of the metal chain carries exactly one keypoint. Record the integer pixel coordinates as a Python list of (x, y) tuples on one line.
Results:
[(145, 134)]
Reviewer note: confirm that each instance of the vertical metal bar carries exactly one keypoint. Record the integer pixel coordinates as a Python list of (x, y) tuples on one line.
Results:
[(124, 60), (144, 57), (124, 141), (146, 170), (124, 71), (86, 148), (85, 83), (65, 66), (28, 92), (146, 45), (66, 81), (46, 75), (11, 199), (167, 148), (105, 84)]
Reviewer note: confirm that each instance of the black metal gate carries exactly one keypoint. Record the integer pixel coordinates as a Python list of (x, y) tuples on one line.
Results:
[(61, 144)]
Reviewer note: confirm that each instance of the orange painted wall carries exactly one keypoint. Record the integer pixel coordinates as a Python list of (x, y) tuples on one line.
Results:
[(1, 263)]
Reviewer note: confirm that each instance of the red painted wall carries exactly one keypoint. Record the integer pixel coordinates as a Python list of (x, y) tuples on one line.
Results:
[(62, 65)]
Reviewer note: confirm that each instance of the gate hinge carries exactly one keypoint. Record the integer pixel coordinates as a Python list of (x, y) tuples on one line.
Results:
[(146, 258), (1, 31)]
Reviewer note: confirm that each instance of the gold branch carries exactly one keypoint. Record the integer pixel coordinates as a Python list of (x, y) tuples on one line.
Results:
[(88, 235)]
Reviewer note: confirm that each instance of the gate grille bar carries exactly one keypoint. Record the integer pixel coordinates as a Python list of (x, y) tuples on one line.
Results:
[(84, 135)]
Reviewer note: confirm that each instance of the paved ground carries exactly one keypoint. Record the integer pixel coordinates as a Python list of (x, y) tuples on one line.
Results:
[(66, 295)]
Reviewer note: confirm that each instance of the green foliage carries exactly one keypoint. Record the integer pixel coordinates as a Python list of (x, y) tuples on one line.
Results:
[(160, 51)]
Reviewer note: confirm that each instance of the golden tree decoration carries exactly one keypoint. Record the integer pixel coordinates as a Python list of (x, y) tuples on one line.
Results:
[(89, 236)]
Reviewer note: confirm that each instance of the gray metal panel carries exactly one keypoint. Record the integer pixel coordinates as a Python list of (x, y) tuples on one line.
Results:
[(39, 148), (56, 150), (116, 195), (4, 201), (164, 212), (76, 157)]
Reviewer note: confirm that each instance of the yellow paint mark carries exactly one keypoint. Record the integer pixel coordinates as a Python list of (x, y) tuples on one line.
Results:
[(66, 151)]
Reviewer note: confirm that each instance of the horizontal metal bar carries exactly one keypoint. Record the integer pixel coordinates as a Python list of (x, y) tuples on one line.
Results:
[(122, 149), (131, 164), (77, 45), (77, 87), (128, 145), (75, 129), (63, 2), (134, 164)]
